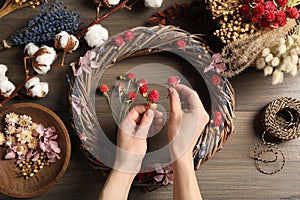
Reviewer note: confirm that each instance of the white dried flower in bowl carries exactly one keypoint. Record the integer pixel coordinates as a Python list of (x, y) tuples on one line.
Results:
[(153, 3), (3, 70), (65, 41), (96, 35), (36, 89)]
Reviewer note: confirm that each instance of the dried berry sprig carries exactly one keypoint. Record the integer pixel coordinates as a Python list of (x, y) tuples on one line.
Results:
[(13, 5), (44, 27)]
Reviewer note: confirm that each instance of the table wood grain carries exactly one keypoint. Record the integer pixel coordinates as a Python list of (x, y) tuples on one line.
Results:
[(230, 174)]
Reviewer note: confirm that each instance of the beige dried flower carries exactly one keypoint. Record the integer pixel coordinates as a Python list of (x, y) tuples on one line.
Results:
[(25, 120), (12, 118), (277, 77)]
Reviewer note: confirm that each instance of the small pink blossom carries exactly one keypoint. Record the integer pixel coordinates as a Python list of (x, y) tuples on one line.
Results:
[(216, 80), (129, 35), (153, 96), (164, 174), (181, 44), (217, 119), (82, 137), (131, 76), (119, 41), (132, 96), (104, 88), (173, 80), (78, 105)]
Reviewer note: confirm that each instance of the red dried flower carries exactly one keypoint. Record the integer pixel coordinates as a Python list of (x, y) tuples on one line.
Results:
[(142, 82), (254, 19), (217, 114), (119, 41), (258, 10), (153, 96), (280, 18), (269, 16), (104, 88), (292, 12), (173, 80), (130, 76), (181, 44), (245, 10), (129, 35), (247, 1), (216, 80), (265, 23), (281, 3), (143, 90), (258, 1), (217, 118), (269, 6), (132, 96), (274, 25)]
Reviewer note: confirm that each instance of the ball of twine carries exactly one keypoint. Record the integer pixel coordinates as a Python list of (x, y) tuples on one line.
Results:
[(281, 122)]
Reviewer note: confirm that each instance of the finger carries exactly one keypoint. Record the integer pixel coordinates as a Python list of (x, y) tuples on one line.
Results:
[(145, 124), (191, 96), (136, 112), (158, 121), (175, 105)]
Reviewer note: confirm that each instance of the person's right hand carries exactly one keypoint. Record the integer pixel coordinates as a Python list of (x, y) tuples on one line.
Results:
[(186, 121)]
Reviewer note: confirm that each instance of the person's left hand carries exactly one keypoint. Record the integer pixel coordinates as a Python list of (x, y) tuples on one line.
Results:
[(132, 135)]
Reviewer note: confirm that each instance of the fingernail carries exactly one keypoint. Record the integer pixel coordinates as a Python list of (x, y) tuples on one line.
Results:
[(172, 91)]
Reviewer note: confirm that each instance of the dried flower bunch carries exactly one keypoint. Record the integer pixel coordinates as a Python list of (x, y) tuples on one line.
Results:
[(12, 5), (45, 26), (127, 87), (32, 145), (282, 56)]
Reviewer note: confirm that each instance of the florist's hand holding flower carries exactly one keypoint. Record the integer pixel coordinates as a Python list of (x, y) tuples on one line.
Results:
[(132, 135), (187, 121)]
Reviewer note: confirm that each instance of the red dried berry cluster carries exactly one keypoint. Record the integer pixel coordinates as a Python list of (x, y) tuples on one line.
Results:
[(271, 14)]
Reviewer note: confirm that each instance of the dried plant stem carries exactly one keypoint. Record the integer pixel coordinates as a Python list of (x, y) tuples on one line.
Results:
[(10, 6), (97, 20), (13, 94)]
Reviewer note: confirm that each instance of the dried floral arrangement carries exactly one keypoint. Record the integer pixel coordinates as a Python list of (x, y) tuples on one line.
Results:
[(32, 145), (12, 5), (246, 28), (140, 41)]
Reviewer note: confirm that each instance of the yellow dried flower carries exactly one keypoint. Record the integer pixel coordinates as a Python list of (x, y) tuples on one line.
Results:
[(25, 120), (11, 118)]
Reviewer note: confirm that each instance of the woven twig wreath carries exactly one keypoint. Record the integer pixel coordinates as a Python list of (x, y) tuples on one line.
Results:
[(139, 41)]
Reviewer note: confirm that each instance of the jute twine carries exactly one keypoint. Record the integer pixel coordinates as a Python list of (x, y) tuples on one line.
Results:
[(281, 122)]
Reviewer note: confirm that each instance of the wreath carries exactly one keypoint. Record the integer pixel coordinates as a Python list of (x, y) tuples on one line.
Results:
[(142, 41)]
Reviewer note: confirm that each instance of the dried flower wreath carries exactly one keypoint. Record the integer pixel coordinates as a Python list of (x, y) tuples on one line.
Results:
[(143, 41)]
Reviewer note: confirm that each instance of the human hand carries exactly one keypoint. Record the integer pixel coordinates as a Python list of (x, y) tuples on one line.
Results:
[(132, 134), (186, 122)]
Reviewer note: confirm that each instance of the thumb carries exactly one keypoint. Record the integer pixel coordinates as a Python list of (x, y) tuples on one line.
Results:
[(145, 124)]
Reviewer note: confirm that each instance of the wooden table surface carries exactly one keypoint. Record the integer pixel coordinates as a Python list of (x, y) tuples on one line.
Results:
[(230, 174)]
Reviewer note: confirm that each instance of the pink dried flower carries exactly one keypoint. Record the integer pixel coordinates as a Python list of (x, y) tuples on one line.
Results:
[(129, 35), (143, 90), (142, 82), (218, 114), (245, 10), (258, 11), (131, 76), (119, 41), (281, 3), (104, 88), (217, 119), (82, 137), (153, 96), (132, 96), (269, 16), (216, 80), (269, 6), (78, 105), (164, 174), (181, 44), (292, 12), (173, 80)]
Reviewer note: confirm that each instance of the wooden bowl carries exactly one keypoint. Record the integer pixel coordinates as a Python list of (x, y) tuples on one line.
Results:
[(16, 186)]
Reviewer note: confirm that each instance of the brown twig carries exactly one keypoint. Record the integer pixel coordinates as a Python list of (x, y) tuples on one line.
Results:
[(13, 94), (97, 20)]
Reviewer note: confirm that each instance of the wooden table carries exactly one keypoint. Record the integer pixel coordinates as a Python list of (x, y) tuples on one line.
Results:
[(230, 174)]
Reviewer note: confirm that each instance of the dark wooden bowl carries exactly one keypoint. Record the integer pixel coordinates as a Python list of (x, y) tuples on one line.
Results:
[(16, 186)]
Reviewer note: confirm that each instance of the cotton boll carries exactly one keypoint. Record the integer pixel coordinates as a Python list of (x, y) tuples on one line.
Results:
[(31, 49), (3, 78), (113, 2), (294, 70), (31, 82), (260, 63), (66, 42), (265, 52), (35, 88), (50, 50), (96, 35), (275, 61), (153, 3), (268, 70), (269, 58), (45, 87), (277, 77), (6, 88), (76, 42), (3, 69)]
